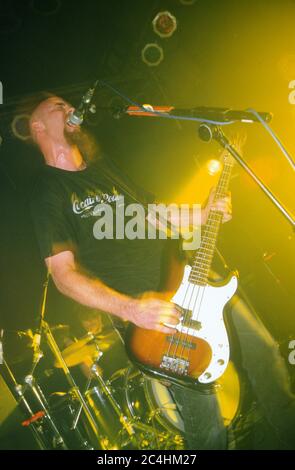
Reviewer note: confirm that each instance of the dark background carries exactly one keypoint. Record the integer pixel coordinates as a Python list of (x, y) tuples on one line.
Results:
[(223, 53)]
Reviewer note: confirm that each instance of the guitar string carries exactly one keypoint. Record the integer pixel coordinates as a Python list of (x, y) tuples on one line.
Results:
[(186, 320), (182, 341), (213, 222), (216, 217), (177, 336), (187, 315), (199, 289), (202, 297), (189, 320)]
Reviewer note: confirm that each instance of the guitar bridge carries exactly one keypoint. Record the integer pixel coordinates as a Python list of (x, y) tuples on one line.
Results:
[(175, 364)]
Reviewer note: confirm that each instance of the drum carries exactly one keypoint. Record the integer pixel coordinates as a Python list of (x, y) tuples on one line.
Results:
[(147, 405), (63, 410), (151, 401), (147, 401)]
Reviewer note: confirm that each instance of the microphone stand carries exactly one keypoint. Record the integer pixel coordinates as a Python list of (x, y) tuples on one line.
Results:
[(209, 129), (38, 354), (208, 132)]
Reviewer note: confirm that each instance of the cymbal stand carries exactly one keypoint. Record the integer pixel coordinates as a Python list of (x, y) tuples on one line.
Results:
[(76, 418), (19, 392), (58, 441), (74, 389)]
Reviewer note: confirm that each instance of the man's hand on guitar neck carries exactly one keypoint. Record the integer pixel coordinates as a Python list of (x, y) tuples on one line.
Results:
[(187, 218), (221, 205), (224, 205)]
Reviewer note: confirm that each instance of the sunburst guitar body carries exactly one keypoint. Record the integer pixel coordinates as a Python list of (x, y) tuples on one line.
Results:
[(198, 352)]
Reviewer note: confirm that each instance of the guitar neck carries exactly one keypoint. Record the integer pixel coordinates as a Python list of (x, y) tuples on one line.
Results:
[(203, 257)]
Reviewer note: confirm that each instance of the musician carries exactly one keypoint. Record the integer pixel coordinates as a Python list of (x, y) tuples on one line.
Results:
[(111, 274)]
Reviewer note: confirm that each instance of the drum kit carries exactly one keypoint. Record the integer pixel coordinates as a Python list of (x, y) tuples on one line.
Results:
[(113, 406)]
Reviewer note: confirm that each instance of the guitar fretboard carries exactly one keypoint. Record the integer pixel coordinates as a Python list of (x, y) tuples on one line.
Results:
[(203, 257)]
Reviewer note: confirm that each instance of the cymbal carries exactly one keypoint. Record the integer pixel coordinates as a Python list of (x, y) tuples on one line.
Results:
[(86, 349), (61, 327), (60, 334), (105, 341)]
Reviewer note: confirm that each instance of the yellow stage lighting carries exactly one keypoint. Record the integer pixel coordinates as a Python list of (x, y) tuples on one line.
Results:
[(213, 166)]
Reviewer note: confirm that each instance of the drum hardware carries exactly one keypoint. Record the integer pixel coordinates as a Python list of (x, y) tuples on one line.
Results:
[(63, 407), (104, 387), (36, 420), (74, 389), (89, 346), (66, 427), (52, 422), (78, 413), (75, 414), (58, 441), (161, 410), (60, 328), (119, 418)]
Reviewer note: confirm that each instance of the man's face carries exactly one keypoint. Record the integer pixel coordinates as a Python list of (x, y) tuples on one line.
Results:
[(49, 123), (50, 119)]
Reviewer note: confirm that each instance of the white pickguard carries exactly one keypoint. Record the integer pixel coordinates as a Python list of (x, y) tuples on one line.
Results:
[(206, 304)]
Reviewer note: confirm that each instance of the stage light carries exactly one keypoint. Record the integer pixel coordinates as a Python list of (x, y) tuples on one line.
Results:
[(20, 126), (213, 166), (164, 24), (152, 54)]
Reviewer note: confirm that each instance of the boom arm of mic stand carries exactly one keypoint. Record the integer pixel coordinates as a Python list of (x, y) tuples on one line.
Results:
[(219, 136)]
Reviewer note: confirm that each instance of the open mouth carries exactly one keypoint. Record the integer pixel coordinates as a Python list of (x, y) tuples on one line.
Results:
[(72, 126)]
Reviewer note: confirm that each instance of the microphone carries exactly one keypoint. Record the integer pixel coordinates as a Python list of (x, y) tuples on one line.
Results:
[(202, 112), (77, 116), (207, 132)]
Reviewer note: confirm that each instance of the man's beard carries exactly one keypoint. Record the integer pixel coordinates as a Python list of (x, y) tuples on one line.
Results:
[(85, 143)]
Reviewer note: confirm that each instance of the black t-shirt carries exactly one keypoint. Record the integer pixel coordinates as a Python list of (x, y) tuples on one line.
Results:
[(64, 213)]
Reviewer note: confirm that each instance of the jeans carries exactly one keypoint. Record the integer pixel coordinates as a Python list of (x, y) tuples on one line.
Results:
[(266, 372)]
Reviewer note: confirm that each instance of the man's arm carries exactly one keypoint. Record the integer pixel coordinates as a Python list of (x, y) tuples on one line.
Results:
[(148, 313), (187, 218)]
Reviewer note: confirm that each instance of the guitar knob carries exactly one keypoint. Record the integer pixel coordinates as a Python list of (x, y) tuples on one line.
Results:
[(220, 362), (208, 375)]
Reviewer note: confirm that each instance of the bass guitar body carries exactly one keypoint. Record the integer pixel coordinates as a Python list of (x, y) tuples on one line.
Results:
[(198, 351)]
